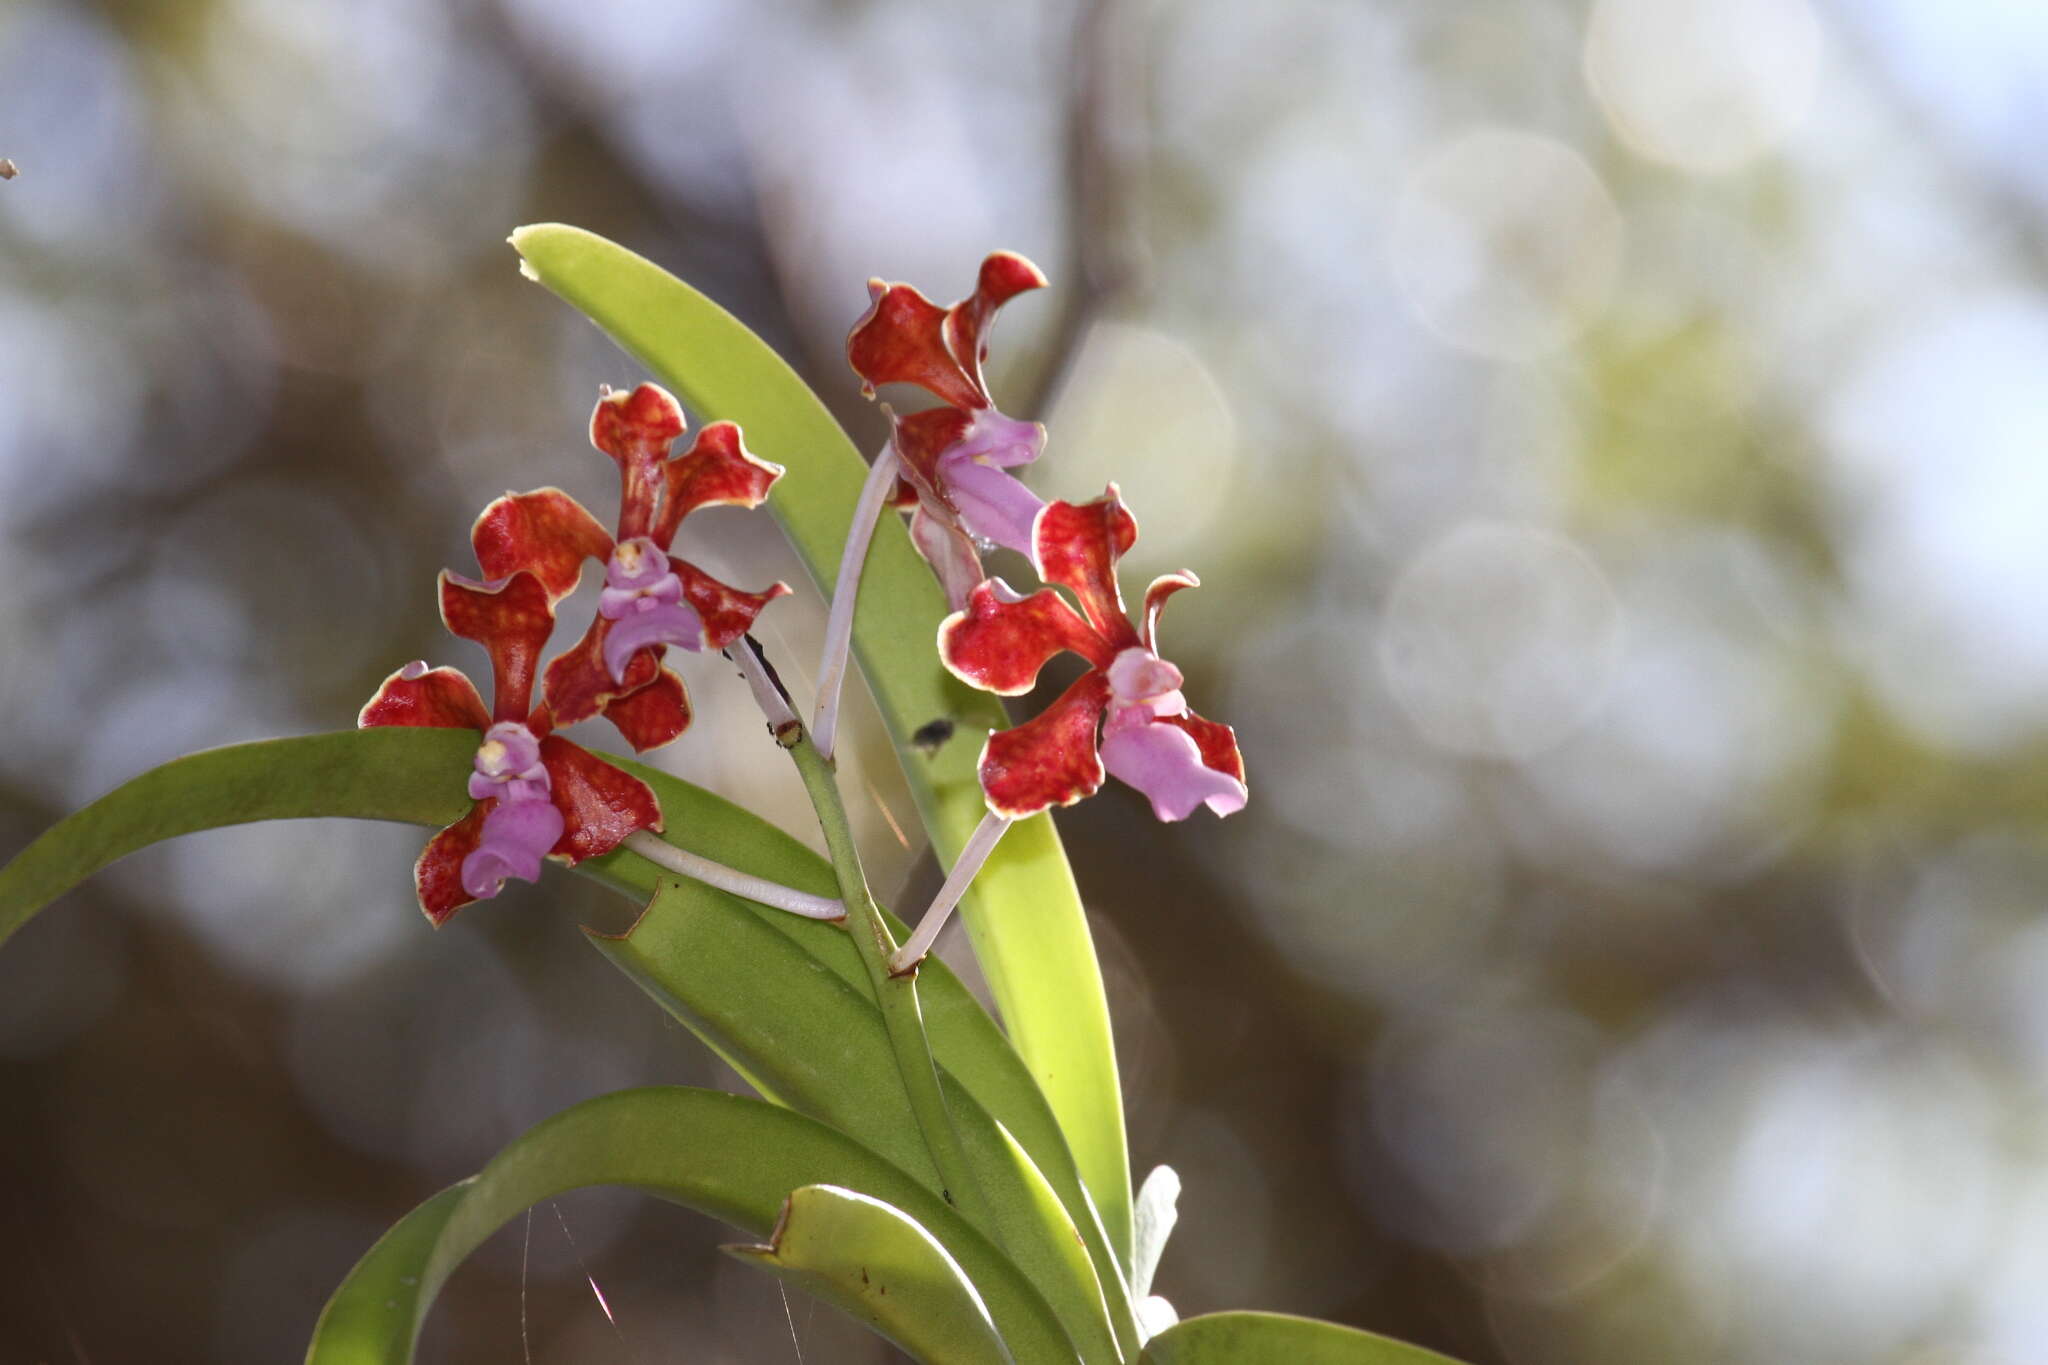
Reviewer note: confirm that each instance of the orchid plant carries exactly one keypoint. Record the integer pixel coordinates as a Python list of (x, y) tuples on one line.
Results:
[(960, 1186)]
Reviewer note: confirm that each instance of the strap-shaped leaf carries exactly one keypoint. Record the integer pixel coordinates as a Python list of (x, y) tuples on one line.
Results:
[(417, 775), (1024, 914), (814, 1040), (726, 1155), (410, 775), (1278, 1339), (877, 1265)]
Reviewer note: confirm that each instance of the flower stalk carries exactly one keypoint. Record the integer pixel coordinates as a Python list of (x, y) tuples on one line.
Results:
[(760, 890), (874, 496), (966, 867), (896, 996)]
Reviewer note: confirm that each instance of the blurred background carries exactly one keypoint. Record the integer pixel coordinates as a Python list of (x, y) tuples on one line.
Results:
[(1611, 437)]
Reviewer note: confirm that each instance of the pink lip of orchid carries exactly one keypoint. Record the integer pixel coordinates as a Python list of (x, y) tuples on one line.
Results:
[(537, 796), (1125, 717), (651, 598), (953, 458)]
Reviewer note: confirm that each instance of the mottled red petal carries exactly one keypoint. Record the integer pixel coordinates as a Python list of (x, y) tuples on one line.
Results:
[(578, 685), (599, 803), (546, 533), (654, 715), (900, 340), (1048, 761), (1078, 545), (1003, 276), (906, 338), (716, 471), (418, 695), (1161, 588), (512, 619), (438, 873), (920, 439), (1217, 741), (727, 612), (636, 427), (999, 641)]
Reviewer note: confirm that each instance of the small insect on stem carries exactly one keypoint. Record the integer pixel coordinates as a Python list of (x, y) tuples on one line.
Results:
[(8, 170)]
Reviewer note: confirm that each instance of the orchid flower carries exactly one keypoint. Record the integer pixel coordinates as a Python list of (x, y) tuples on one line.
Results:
[(1125, 716), (651, 598), (537, 795), (952, 459)]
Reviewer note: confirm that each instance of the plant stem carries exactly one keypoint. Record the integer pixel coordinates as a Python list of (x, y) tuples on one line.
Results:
[(766, 687), (860, 534), (758, 889), (895, 995), (979, 845)]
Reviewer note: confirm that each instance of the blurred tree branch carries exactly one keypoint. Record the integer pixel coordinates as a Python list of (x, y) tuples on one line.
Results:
[(1106, 133)]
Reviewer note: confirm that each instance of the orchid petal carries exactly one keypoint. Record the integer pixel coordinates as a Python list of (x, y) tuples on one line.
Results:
[(1077, 545), (438, 873), (1217, 741), (600, 804), (546, 532), (1164, 762), (651, 716), (727, 612), (1005, 442), (922, 439), (1002, 277), (1049, 760), (661, 623), (516, 836), (418, 695), (636, 427), (950, 552), (1161, 588), (716, 471), (900, 340), (1000, 640), (992, 504), (578, 685), (906, 338), (512, 619)]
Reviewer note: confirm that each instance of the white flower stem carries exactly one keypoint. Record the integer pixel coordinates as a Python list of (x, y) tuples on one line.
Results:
[(874, 495), (979, 845), (758, 889), (768, 694)]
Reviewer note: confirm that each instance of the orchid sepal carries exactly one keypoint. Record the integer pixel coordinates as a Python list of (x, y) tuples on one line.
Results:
[(1126, 717)]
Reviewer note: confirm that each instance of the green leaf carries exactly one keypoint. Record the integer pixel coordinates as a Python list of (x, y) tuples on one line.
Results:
[(1277, 1339), (415, 776), (732, 1157), (878, 1266), (705, 960), (1024, 914), (806, 1036)]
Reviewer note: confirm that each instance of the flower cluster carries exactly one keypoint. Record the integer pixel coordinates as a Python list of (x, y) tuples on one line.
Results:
[(536, 794), (1126, 716), (953, 456)]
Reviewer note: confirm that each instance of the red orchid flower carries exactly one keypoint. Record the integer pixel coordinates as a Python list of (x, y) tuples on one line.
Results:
[(1125, 716), (651, 599), (953, 457), (537, 795)]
